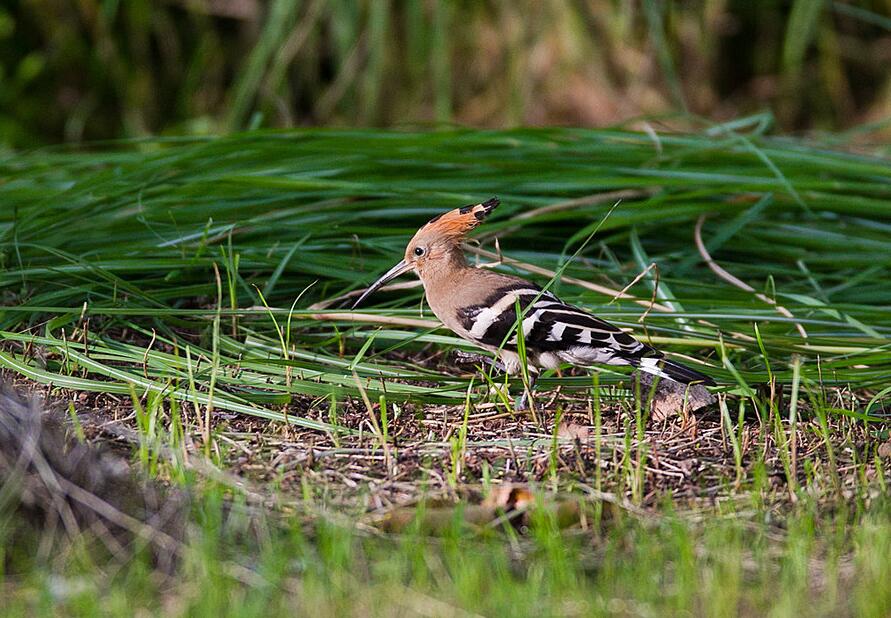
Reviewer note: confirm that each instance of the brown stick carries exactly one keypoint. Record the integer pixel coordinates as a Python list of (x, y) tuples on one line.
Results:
[(732, 280)]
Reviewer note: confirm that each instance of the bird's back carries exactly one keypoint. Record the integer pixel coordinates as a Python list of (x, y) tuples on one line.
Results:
[(481, 306)]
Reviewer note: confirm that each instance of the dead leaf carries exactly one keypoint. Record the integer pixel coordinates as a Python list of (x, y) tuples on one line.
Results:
[(509, 504), (509, 498), (671, 398), (574, 431)]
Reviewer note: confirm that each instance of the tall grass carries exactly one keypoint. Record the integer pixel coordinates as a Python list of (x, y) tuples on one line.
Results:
[(96, 69), (110, 257)]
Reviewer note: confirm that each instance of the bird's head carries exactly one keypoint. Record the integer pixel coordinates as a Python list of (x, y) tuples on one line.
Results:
[(434, 244)]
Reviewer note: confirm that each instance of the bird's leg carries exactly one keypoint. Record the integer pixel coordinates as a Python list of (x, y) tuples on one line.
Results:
[(526, 397), (521, 401), (469, 357)]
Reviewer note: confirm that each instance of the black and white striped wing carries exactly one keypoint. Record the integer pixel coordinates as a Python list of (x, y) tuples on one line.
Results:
[(577, 336), (550, 326)]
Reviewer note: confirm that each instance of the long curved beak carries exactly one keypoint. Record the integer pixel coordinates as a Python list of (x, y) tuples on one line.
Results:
[(394, 272)]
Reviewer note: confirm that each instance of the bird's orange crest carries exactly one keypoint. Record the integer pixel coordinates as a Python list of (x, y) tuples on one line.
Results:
[(458, 222)]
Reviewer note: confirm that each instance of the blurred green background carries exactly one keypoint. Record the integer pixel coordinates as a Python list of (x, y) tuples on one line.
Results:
[(75, 70)]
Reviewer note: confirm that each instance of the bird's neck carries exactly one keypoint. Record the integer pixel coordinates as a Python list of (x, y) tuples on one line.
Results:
[(444, 280), (447, 266)]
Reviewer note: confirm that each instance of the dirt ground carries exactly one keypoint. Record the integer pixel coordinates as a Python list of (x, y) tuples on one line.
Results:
[(691, 459)]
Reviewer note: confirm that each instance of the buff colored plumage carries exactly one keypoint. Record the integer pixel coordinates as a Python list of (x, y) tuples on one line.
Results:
[(480, 306)]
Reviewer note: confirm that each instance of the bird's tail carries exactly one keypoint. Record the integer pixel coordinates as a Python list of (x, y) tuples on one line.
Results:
[(673, 371)]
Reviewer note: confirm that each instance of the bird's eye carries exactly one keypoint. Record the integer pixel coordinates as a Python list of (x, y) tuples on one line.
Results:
[(419, 251)]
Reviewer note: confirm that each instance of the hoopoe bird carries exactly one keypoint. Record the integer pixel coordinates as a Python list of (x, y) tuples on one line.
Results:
[(481, 306)]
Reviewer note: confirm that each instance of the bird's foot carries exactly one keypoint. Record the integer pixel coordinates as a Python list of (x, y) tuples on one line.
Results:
[(521, 403)]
